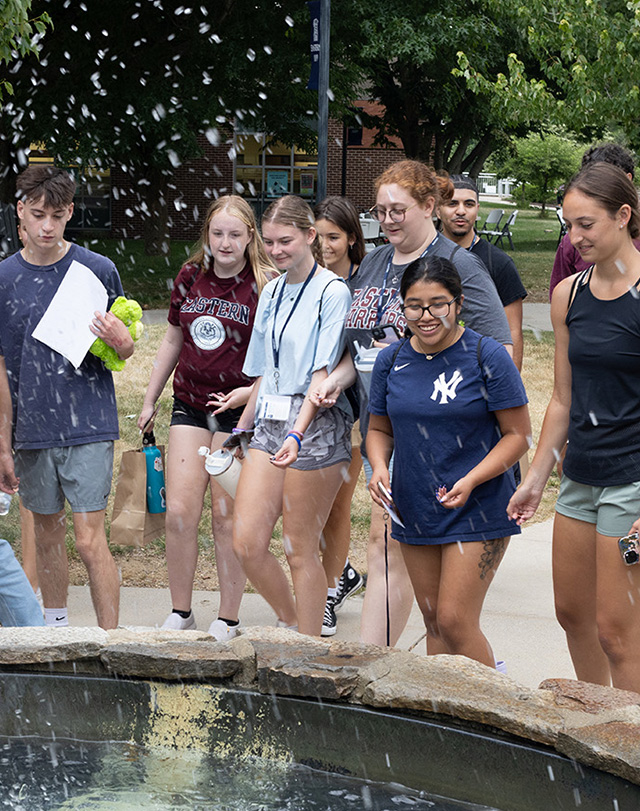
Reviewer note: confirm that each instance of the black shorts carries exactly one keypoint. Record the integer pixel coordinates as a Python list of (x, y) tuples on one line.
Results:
[(185, 414)]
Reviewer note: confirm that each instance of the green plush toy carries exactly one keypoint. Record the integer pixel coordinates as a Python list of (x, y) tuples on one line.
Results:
[(129, 312)]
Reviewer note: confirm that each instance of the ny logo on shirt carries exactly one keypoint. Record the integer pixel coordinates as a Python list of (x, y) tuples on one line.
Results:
[(447, 391)]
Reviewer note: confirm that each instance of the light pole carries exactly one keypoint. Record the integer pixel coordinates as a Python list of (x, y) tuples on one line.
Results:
[(323, 97)]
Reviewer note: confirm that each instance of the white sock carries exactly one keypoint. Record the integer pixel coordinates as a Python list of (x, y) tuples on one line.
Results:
[(56, 617), (332, 592)]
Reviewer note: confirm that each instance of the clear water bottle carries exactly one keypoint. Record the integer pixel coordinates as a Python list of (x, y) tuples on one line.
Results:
[(5, 503)]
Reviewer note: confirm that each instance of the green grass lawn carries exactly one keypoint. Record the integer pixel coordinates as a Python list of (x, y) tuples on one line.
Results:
[(534, 240), (146, 278)]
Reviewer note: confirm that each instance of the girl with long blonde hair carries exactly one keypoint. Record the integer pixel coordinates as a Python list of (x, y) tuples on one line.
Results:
[(211, 315)]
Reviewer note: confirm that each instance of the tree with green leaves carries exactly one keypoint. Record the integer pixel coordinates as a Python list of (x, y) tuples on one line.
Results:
[(142, 83), (586, 54), (408, 54), (19, 34), (543, 160)]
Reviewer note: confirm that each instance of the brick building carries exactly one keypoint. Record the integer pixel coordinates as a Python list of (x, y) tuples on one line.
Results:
[(246, 163)]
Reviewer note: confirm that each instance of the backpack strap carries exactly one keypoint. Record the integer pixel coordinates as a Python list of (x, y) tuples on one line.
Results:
[(337, 279), (395, 354)]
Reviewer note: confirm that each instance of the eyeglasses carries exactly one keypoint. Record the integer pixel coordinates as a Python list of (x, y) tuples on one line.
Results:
[(395, 214), (441, 309)]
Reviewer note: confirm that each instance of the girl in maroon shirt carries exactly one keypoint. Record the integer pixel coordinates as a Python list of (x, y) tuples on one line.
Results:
[(211, 314)]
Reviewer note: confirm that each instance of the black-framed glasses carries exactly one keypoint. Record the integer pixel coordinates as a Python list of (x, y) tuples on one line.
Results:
[(441, 309), (395, 214)]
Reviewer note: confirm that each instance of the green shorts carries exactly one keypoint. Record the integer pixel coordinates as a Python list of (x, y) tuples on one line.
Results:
[(80, 473), (612, 509)]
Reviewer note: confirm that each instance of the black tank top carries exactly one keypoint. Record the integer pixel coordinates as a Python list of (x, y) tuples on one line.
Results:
[(604, 353)]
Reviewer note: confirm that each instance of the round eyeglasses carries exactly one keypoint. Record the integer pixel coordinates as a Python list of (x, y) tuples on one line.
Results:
[(395, 214), (441, 309)]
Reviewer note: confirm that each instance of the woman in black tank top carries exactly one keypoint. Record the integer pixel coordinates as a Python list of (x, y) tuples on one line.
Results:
[(595, 405)]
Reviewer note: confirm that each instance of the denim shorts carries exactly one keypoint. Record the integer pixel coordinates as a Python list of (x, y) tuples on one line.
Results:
[(81, 474), (185, 414), (18, 603), (327, 440), (612, 509)]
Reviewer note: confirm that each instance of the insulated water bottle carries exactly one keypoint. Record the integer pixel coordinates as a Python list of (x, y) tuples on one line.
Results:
[(223, 466), (156, 493)]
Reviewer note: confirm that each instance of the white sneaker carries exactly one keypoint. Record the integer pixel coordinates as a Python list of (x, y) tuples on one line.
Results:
[(174, 622), (222, 632), (283, 624)]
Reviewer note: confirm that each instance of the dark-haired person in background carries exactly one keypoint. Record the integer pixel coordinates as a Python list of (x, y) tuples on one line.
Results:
[(458, 217), (342, 245)]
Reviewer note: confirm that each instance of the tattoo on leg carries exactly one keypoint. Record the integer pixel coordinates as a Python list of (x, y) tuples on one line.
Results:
[(491, 557)]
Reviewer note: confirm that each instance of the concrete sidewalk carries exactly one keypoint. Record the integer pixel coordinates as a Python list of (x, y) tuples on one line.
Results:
[(518, 617), (535, 316)]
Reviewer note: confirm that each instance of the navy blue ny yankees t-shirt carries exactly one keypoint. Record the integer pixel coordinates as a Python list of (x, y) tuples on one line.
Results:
[(443, 426)]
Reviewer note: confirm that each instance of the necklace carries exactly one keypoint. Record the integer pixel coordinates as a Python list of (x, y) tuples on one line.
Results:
[(433, 355)]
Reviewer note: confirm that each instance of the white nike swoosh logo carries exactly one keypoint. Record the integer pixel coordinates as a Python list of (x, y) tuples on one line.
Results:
[(397, 368)]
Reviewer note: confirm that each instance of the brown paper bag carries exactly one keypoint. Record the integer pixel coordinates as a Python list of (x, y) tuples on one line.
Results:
[(131, 523)]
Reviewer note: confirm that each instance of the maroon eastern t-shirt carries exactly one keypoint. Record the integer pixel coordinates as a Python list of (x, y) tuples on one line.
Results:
[(216, 317)]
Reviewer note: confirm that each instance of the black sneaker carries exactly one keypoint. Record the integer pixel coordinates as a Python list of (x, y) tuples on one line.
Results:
[(351, 582), (330, 621)]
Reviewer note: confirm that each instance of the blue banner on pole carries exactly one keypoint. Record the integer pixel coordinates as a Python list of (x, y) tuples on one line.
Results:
[(314, 13)]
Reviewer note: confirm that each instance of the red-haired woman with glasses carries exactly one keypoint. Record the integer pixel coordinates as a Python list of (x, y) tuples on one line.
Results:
[(407, 194)]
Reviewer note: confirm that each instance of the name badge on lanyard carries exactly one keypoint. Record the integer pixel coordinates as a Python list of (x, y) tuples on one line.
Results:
[(275, 407)]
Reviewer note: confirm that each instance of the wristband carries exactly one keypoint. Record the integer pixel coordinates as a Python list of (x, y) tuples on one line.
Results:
[(294, 435), (298, 434)]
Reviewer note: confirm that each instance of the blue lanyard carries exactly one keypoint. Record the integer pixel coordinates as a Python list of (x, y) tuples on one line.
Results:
[(275, 346), (473, 241), (350, 271), (379, 308)]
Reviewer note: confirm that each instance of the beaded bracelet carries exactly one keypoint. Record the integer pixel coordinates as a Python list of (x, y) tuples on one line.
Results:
[(296, 437)]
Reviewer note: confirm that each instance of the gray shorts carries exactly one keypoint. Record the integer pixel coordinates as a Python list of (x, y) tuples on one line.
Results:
[(612, 509), (81, 474), (327, 441)]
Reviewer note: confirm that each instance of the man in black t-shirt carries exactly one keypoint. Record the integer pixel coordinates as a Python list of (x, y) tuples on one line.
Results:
[(457, 219)]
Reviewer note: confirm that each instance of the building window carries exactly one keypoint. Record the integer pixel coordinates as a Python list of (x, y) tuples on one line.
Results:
[(264, 170), (92, 202)]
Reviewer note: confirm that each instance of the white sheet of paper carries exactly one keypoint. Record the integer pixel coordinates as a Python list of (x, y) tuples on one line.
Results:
[(65, 325)]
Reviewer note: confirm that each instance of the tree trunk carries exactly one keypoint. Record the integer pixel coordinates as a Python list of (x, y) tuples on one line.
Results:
[(454, 164), (474, 162)]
